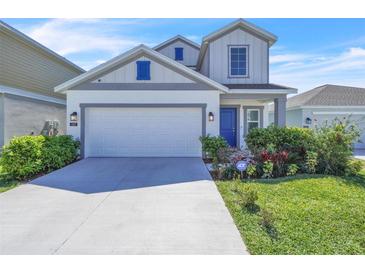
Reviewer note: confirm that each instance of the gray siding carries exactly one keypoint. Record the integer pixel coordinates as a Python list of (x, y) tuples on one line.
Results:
[(205, 64), (127, 74), (22, 116), (258, 58), (190, 53), (294, 118), (25, 67)]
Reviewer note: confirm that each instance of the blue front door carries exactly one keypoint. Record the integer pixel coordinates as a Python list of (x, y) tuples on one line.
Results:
[(228, 125)]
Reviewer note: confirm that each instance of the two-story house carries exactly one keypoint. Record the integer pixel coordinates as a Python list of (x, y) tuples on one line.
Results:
[(158, 102), (28, 73)]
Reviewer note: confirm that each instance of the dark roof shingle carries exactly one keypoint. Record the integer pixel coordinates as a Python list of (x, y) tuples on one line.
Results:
[(329, 95)]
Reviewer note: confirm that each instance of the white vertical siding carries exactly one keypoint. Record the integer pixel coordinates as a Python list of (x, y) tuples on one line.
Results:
[(205, 65), (190, 53), (128, 74), (257, 60)]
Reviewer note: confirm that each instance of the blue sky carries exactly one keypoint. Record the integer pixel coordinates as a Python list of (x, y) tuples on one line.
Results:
[(309, 52)]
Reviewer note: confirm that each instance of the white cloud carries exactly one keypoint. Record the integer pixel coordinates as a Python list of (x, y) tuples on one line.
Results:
[(71, 36), (283, 58), (346, 68)]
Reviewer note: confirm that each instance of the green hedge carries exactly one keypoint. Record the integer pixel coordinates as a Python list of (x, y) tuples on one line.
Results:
[(282, 138), (326, 149), (27, 156)]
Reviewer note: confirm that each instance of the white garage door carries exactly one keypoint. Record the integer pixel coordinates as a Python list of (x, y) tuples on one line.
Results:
[(143, 132), (359, 119)]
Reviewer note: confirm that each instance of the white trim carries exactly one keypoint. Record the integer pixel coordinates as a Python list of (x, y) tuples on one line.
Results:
[(245, 25), (339, 112), (120, 58), (19, 35), (258, 117), (262, 91), (177, 37), (230, 61), (29, 94)]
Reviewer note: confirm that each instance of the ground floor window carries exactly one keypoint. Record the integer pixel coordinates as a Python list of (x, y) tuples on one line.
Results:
[(253, 119)]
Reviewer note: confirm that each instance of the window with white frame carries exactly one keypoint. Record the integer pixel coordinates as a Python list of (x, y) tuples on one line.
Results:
[(253, 119), (238, 61)]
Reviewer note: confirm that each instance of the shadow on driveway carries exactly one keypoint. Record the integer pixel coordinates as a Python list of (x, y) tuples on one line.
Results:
[(95, 175)]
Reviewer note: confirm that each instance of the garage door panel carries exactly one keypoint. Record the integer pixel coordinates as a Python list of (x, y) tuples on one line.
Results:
[(143, 132)]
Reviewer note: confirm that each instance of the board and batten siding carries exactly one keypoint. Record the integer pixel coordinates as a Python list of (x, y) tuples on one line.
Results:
[(205, 64), (258, 58), (128, 74), (190, 53), (25, 67)]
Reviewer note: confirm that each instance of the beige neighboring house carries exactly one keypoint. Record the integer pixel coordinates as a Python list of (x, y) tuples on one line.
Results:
[(28, 73)]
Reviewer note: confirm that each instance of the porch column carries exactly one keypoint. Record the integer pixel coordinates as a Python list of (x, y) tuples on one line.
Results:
[(280, 111)]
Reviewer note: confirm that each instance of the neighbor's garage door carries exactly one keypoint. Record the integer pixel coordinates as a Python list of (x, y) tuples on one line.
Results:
[(143, 132), (357, 118)]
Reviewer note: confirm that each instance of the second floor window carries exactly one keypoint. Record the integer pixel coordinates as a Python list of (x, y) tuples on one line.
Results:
[(238, 61), (179, 54)]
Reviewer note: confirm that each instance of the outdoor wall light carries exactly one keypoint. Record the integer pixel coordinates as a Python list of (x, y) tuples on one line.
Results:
[(73, 116), (211, 117), (308, 121)]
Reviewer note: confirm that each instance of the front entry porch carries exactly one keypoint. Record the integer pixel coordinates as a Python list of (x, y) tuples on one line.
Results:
[(239, 113)]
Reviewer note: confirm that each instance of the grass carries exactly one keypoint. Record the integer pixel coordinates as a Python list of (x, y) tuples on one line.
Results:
[(311, 214), (6, 183)]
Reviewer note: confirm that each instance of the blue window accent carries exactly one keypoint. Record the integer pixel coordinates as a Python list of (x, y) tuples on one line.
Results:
[(238, 62), (179, 54), (143, 70)]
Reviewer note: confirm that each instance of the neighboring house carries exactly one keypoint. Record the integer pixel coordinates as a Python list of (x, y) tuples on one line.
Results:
[(28, 74), (158, 102), (326, 103)]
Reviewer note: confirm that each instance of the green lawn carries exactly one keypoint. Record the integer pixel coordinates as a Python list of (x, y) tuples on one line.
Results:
[(312, 214)]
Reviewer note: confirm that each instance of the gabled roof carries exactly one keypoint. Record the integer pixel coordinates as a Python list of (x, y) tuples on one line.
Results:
[(238, 24), (29, 41), (129, 55), (177, 38), (329, 95)]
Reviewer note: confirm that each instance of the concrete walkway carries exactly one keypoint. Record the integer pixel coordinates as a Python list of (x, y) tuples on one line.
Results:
[(119, 206)]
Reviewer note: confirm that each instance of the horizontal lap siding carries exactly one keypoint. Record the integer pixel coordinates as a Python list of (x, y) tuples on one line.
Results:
[(24, 67)]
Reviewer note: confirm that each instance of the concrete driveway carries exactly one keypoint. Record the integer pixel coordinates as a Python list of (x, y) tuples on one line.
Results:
[(119, 206)]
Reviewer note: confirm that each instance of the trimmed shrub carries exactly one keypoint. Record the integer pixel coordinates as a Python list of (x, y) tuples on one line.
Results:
[(353, 167), (58, 152), (311, 162), (22, 158), (212, 144), (292, 170), (292, 139), (27, 156)]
